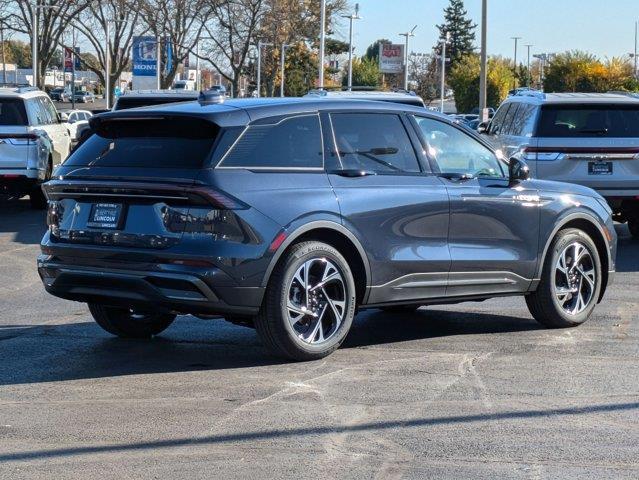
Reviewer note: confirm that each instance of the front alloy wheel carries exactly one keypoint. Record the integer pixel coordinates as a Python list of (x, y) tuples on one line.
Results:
[(570, 281), (309, 303)]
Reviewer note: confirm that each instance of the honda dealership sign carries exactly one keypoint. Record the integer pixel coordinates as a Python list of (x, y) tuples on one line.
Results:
[(391, 58), (144, 56)]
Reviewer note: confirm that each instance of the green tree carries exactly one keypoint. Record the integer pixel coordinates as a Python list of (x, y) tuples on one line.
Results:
[(461, 30), (372, 52), (464, 80), (335, 47), (301, 70), (365, 73), (18, 52)]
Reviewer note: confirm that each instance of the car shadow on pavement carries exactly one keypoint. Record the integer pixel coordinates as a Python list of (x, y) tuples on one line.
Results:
[(18, 218), (51, 353), (377, 327), (295, 435)]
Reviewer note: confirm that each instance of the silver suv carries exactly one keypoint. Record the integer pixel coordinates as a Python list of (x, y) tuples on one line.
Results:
[(591, 139), (33, 140)]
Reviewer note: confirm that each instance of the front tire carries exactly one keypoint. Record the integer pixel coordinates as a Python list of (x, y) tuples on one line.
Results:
[(571, 282), (309, 303), (125, 323)]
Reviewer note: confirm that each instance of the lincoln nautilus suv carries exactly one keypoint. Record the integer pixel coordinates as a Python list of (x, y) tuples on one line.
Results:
[(291, 215)]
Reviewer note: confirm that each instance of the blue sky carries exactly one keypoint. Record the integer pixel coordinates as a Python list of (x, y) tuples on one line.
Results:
[(602, 27)]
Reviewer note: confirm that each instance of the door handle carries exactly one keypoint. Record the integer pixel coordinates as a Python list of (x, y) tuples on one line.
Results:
[(352, 173)]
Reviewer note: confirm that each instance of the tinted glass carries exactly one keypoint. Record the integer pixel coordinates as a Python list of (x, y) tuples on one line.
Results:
[(620, 121), (498, 119), (37, 114), (373, 142), (455, 152), (506, 128), (523, 123), (52, 113), (294, 142), (13, 112), (147, 143)]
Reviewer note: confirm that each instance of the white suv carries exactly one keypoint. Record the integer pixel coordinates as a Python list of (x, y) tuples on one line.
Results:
[(33, 140)]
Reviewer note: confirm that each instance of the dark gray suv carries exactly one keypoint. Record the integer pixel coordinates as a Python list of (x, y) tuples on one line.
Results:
[(289, 215)]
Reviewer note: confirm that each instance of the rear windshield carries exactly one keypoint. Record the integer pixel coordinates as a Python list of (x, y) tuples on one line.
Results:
[(125, 103), (618, 121), (12, 112), (161, 143)]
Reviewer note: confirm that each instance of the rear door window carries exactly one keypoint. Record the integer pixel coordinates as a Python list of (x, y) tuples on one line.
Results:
[(13, 112), (594, 120), (292, 143), (498, 119), (523, 123), (161, 143), (373, 142)]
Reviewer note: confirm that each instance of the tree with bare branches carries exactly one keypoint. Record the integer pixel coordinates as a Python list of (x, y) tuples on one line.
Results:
[(178, 22), (121, 19), (53, 17), (230, 34)]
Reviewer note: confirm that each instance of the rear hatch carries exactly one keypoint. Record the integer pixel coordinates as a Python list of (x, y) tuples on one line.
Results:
[(15, 139), (132, 182), (596, 145)]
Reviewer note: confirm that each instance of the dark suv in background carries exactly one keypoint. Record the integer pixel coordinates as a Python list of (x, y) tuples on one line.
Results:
[(587, 138), (289, 215)]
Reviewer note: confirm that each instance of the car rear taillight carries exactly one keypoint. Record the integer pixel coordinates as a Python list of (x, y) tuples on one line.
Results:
[(539, 155), (18, 138)]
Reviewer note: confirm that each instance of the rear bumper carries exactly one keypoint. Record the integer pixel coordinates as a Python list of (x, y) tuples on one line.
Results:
[(180, 290), (17, 180)]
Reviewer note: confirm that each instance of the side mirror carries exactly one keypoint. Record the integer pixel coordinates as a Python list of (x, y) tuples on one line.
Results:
[(483, 127), (518, 170)]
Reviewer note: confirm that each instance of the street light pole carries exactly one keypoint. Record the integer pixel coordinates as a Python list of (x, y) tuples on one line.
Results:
[(516, 39), (635, 56), (282, 55), (351, 17), (4, 64), (443, 79), (407, 35), (107, 66), (198, 85), (322, 42), (529, 76), (34, 43), (73, 68), (483, 62), (260, 44)]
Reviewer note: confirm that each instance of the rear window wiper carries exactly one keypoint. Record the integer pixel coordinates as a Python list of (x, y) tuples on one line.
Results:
[(594, 131)]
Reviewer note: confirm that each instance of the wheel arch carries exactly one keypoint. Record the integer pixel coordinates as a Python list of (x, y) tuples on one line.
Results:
[(590, 225), (337, 236)]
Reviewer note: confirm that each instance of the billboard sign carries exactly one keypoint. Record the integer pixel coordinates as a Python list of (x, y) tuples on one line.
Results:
[(391, 58), (144, 56)]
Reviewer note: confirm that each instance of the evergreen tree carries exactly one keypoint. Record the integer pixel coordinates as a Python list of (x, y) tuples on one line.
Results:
[(461, 30)]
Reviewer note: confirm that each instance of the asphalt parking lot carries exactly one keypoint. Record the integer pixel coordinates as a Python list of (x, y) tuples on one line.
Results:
[(462, 391)]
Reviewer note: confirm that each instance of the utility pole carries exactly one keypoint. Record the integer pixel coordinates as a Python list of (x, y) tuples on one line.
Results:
[(107, 65), (4, 64), (322, 42), (443, 79), (407, 35), (635, 56), (260, 44), (73, 68), (35, 24), (483, 63), (198, 84), (529, 76), (516, 39), (282, 58), (158, 61), (351, 17)]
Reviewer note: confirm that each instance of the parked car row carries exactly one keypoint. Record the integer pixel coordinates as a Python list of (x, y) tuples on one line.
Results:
[(64, 95)]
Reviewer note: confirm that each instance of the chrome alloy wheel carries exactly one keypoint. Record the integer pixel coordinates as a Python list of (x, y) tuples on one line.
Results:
[(316, 301), (575, 278)]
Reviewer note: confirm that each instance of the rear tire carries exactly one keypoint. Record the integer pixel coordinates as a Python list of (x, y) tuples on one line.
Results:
[(36, 197), (127, 324), (309, 303), (633, 226), (565, 297)]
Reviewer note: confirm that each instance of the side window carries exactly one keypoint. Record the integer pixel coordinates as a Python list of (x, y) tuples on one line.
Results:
[(513, 111), (455, 152), (50, 108), (524, 122), (35, 112), (295, 142), (374, 142), (498, 119), (73, 117)]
